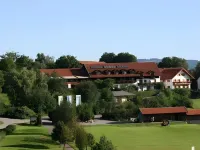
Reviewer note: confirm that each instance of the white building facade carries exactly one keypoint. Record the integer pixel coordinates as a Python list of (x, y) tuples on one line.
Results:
[(176, 78), (198, 83)]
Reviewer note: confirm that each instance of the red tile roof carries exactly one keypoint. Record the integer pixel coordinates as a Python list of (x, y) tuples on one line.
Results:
[(169, 73), (91, 62), (163, 110), (59, 72), (193, 112), (65, 72), (144, 67)]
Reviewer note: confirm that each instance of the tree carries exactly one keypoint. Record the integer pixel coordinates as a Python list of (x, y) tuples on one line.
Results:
[(24, 61), (90, 140), (7, 64), (62, 133), (197, 70), (1, 80), (64, 113), (125, 57), (107, 57), (173, 62), (107, 83), (104, 144), (88, 91), (81, 138), (41, 101), (67, 61), (18, 85), (85, 112), (107, 95), (44, 61)]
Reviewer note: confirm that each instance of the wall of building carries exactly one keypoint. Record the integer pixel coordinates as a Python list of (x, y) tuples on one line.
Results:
[(168, 84), (198, 83), (179, 77)]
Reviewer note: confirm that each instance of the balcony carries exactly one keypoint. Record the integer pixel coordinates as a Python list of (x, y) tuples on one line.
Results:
[(181, 82)]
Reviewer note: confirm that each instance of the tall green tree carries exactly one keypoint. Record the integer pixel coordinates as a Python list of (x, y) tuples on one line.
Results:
[(24, 61), (107, 57), (1, 80), (88, 91), (67, 61), (18, 85), (173, 62), (90, 140), (44, 61), (125, 57), (197, 70), (64, 113), (81, 138), (62, 134)]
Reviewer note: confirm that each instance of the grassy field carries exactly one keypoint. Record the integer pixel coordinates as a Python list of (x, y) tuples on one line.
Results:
[(130, 137), (28, 137), (196, 103)]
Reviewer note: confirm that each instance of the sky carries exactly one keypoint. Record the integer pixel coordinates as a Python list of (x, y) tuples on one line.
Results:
[(88, 28)]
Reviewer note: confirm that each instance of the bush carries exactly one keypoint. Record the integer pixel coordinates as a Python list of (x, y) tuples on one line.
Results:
[(19, 112), (159, 86), (10, 129), (124, 111), (85, 112), (2, 134)]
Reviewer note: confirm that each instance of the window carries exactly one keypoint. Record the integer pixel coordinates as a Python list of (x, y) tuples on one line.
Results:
[(188, 80), (145, 81), (168, 80), (168, 87)]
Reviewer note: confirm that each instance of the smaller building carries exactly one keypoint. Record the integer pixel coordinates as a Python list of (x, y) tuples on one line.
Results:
[(193, 116), (198, 83), (158, 114), (176, 78), (121, 96)]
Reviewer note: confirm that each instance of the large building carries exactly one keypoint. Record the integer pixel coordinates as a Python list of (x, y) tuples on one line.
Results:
[(176, 78), (143, 75)]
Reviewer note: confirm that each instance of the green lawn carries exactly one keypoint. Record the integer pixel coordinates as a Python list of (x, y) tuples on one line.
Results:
[(131, 137), (196, 103), (28, 137)]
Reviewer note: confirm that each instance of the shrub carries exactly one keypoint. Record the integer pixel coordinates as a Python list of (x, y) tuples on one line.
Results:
[(85, 112), (10, 129), (19, 112), (159, 86), (2, 134), (124, 111)]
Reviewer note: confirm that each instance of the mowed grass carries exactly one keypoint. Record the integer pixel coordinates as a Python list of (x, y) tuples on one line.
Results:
[(130, 137), (28, 138), (196, 103)]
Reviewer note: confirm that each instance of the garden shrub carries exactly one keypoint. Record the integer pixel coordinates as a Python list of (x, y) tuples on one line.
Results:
[(10, 129), (2, 134), (19, 112)]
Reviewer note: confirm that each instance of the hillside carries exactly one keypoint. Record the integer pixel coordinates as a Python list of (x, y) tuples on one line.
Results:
[(191, 63)]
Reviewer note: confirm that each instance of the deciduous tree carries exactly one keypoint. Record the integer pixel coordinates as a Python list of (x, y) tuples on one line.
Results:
[(81, 138), (67, 61), (173, 62), (107, 57)]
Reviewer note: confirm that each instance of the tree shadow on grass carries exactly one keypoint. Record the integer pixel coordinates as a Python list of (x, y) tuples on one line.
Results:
[(31, 146), (40, 140)]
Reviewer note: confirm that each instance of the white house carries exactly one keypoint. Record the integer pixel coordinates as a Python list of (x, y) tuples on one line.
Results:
[(198, 83), (176, 78)]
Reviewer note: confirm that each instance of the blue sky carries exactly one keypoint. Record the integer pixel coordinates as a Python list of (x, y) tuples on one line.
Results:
[(87, 28)]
